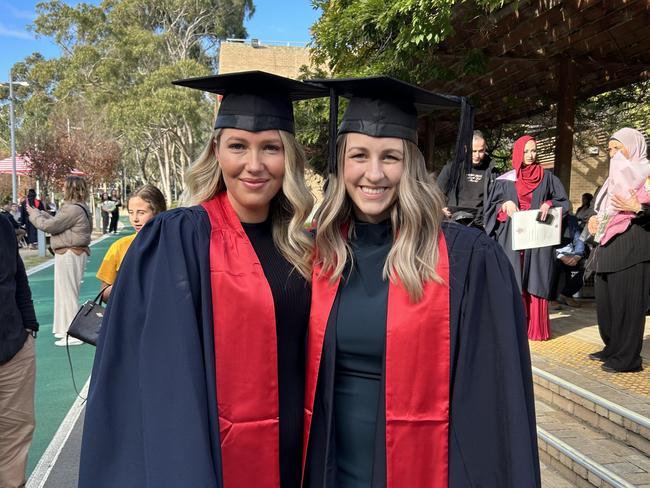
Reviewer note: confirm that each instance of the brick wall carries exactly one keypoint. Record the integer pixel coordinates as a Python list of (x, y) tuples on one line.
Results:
[(588, 171), (279, 60)]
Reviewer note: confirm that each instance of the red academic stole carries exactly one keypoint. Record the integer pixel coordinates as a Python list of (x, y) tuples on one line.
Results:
[(417, 377), (245, 346)]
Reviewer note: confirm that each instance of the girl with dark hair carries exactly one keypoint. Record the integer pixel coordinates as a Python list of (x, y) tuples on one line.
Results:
[(32, 236)]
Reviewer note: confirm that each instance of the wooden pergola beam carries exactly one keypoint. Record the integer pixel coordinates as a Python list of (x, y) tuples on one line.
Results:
[(566, 112)]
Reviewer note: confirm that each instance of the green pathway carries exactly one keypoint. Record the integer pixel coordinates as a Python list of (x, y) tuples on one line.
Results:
[(54, 390)]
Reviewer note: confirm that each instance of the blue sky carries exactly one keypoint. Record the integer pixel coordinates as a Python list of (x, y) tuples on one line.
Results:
[(274, 20)]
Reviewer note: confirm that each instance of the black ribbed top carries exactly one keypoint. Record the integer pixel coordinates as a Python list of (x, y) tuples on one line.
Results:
[(291, 297)]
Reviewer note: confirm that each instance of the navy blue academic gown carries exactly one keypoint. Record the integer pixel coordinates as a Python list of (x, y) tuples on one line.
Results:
[(153, 421), (492, 434), (536, 274)]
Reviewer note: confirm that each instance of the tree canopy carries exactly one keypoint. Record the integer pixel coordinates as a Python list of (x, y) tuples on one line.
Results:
[(394, 37), (110, 88)]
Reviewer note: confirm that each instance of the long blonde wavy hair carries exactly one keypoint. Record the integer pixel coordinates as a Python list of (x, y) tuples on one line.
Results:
[(416, 216), (289, 208)]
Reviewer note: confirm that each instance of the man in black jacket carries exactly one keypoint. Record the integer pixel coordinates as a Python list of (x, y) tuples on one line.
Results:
[(467, 196), (18, 326)]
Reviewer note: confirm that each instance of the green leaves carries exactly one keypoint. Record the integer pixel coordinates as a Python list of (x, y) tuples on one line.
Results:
[(394, 37), (112, 83)]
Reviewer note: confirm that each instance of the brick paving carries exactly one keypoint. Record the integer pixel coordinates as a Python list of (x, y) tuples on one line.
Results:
[(574, 336)]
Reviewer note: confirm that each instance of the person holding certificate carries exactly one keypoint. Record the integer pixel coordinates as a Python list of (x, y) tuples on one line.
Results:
[(527, 187)]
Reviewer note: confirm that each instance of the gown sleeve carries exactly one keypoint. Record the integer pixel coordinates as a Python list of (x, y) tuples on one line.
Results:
[(493, 203), (151, 418), (558, 196), (443, 178), (492, 439)]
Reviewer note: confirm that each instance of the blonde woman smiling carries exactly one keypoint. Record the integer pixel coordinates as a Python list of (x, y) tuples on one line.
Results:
[(418, 370), (199, 373)]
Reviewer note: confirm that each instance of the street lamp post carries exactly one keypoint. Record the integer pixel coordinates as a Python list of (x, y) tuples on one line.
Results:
[(12, 131)]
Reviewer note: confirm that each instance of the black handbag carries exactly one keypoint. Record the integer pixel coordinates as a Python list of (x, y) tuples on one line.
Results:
[(88, 322)]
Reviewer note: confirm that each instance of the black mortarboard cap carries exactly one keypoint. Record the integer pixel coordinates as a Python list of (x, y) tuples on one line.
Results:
[(255, 100), (381, 106)]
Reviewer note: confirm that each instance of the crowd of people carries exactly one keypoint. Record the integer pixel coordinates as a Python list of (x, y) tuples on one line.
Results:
[(240, 349)]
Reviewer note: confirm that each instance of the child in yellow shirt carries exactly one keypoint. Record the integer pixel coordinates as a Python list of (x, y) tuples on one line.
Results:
[(143, 205)]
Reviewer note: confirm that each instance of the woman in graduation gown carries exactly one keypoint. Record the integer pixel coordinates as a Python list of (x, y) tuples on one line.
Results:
[(526, 187), (198, 379), (418, 369)]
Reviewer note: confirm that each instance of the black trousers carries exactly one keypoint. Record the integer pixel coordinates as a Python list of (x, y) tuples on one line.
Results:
[(573, 279), (622, 299), (115, 216)]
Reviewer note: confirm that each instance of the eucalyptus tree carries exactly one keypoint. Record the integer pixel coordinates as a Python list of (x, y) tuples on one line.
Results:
[(118, 59)]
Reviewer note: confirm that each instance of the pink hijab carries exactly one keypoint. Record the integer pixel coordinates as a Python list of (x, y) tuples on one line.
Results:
[(625, 175)]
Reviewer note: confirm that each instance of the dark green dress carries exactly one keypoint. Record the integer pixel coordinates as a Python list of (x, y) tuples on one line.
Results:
[(360, 339)]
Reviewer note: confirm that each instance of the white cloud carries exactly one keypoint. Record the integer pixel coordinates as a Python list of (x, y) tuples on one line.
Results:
[(15, 33), (18, 13)]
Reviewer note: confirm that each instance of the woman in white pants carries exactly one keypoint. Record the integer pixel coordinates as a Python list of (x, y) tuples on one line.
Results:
[(70, 229)]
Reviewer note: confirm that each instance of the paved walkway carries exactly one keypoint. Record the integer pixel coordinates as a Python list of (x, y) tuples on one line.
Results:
[(55, 392), (574, 336)]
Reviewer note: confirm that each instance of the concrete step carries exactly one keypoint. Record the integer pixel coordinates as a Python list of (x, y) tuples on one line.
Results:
[(603, 414), (552, 479), (586, 456)]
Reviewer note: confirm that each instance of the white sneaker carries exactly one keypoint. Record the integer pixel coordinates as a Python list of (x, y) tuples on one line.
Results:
[(71, 341), (59, 336)]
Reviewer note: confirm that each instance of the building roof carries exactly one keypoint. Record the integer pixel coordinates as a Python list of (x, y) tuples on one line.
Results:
[(607, 40)]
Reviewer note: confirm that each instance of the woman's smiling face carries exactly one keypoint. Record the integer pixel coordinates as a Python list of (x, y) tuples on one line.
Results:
[(253, 170), (530, 153), (372, 170)]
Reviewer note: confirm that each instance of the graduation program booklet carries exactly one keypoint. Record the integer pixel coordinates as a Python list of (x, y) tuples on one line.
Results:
[(529, 233)]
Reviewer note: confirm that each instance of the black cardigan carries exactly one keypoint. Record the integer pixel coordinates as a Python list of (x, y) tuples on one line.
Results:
[(16, 306)]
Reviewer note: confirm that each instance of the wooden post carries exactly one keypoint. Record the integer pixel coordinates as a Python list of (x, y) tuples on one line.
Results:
[(428, 143), (566, 111)]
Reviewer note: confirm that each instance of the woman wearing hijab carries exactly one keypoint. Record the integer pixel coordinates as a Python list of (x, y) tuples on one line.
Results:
[(526, 187), (418, 370), (622, 258), (198, 379)]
